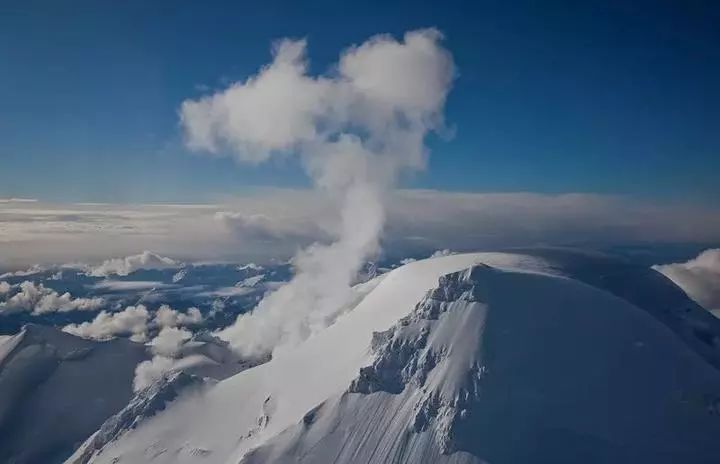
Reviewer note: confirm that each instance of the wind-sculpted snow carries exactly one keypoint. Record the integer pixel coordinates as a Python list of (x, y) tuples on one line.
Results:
[(519, 359)]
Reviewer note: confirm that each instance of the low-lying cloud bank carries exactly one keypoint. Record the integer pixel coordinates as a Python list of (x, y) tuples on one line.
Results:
[(276, 223), (699, 277), (39, 299), (134, 322)]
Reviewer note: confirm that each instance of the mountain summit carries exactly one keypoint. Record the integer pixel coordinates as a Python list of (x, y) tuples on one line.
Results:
[(547, 357)]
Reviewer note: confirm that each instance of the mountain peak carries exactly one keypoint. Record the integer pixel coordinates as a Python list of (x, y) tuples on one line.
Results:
[(474, 358)]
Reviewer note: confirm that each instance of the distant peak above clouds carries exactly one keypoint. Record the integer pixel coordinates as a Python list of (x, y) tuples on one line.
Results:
[(124, 266)]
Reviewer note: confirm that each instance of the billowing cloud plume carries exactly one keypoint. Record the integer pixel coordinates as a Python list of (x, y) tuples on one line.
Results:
[(130, 264), (354, 130), (39, 299), (132, 321), (699, 277)]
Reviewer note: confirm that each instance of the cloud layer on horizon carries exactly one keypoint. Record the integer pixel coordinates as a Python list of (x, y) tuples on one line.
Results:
[(418, 220)]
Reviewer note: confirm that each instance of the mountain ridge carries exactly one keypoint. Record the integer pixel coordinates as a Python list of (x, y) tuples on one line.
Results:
[(291, 402)]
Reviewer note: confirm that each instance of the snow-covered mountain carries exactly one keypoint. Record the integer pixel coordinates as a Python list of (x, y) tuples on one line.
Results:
[(56, 388), (546, 356)]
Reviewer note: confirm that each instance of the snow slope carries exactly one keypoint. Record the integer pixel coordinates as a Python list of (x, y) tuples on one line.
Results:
[(518, 362), (56, 388)]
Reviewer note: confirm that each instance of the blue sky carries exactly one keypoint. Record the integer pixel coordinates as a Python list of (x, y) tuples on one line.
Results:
[(551, 96)]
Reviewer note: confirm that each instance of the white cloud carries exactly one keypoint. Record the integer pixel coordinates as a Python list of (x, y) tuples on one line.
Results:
[(250, 267), (169, 341), (121, 285), (18, 200), (150, 371), (38, 299), (262, 228), (130, 264), (355, 131), (36, 268), (166, 348), (441, 253), (227, 291), (132, 321), (168, 317), (418, 221), (271, 111), (699, 278)]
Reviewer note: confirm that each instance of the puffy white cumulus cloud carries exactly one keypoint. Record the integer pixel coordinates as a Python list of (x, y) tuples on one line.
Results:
[(699, 278), (151, 370), (165, 316), (271, 111), (132, 321), (4, 287), (136, 322), (355, 129), (166, 348), (441, 253), (130, 264), (38, 299), (169, 341), (380, 82)]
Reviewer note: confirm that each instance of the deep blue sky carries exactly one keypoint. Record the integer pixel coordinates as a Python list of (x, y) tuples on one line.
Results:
[(609, 97)]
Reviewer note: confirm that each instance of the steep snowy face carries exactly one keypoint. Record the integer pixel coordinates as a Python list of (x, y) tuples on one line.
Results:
[(247, 409), (498, 358), (505, 367)]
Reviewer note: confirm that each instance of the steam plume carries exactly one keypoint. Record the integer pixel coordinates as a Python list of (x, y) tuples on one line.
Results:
[(355, 129)]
